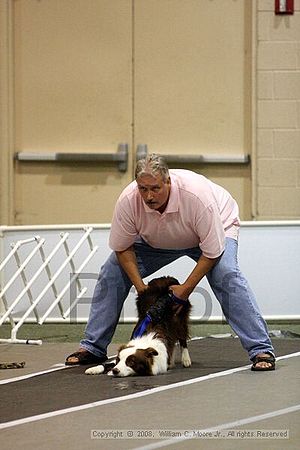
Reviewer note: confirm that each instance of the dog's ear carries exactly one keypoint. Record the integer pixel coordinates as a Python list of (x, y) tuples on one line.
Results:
[(171, 281), (150, 351), (123, 346), (162, 283)]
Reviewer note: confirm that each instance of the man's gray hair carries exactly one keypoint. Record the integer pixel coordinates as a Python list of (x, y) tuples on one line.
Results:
[(152, 165)]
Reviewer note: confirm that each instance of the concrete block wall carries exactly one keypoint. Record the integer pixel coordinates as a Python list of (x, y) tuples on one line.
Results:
[(278, 113)]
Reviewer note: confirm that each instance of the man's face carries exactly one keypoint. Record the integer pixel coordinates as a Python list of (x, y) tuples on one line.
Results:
[(154, 191)]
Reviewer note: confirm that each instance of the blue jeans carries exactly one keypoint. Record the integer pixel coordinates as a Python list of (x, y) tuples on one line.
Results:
[(226, 280)]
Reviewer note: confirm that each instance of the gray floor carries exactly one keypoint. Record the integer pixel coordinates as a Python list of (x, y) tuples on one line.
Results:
[(216, 401)]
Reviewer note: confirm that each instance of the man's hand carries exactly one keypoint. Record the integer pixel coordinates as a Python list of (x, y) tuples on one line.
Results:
[(141, 288), (181, 292)]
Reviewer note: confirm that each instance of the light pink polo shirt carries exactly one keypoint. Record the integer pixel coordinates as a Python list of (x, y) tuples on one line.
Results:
[(199, 213)]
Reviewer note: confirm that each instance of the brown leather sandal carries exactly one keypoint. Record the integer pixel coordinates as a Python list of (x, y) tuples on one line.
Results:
[(84, 358), (268, 359)]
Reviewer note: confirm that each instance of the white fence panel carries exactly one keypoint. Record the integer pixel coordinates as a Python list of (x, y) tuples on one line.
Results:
[(34, 284), (269, 254)]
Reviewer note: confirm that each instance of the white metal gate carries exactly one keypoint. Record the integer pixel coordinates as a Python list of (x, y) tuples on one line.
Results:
[(51, 270)]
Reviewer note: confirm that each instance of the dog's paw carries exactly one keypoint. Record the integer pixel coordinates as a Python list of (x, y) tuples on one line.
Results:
[(185, 358), (95, 370), (171, 363)]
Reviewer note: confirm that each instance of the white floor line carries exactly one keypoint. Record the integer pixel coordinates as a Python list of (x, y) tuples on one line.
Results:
[(31, 375), (290, 355), (150, 391), (60, 366), (223, 426), (53, 368)]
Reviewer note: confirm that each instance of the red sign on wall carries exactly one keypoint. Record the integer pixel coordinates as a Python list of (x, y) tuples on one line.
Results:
[(284, 6)]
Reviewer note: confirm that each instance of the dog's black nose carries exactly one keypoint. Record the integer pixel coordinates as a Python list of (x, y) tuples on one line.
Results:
[(115, 371)]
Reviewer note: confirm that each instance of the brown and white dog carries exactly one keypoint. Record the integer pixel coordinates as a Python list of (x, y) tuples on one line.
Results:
[(153, 352)]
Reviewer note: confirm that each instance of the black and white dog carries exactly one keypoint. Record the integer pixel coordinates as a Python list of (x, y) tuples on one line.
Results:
[(151, 348)]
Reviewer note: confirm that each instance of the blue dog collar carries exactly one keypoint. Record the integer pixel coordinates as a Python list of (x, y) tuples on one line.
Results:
[(178, 300), (142, 327), (148, 319)]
